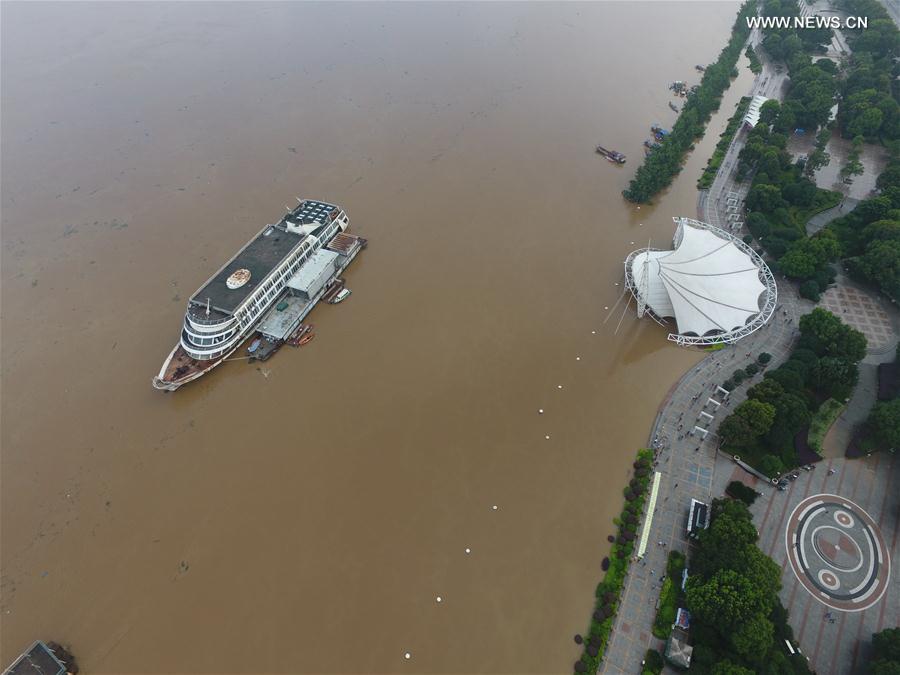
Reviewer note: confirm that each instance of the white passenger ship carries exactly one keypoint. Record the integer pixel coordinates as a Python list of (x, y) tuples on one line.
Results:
[(298, 256)]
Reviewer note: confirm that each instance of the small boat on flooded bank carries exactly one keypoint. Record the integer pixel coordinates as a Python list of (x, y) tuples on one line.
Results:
[(612, 155)]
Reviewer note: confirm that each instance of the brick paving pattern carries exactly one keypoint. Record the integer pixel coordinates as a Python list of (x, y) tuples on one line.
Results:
[(837, 641), (860, 310)]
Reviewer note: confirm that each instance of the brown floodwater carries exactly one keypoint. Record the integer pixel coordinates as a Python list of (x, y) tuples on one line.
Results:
[(303, 515)]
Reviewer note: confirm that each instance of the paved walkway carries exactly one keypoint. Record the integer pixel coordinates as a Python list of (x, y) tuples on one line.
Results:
[(879, 321), (711, 203), (820, 220), (687, 463), (835, 640)]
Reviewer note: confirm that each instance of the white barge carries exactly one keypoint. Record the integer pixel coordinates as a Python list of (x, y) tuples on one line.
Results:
[(294, 260)]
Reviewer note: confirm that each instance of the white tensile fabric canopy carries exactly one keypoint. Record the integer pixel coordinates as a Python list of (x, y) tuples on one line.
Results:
[(707, 284)]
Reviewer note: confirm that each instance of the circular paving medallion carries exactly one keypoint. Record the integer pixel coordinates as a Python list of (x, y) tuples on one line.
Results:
[(837, 552)]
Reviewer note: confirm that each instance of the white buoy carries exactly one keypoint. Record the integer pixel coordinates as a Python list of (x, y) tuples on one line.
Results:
[(407, 656), (540, 411), (632, 243), (593, 332), (468, 551), (578, 358), (617, 283), (439, 599), (494, 507), (547, 437), (606, 307), (559, 386)]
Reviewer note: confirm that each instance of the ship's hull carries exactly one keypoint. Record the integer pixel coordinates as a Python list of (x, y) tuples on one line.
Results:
[(160, 382)]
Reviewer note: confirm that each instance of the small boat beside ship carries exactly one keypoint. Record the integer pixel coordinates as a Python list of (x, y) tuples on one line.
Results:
[(612, 155), (341, 296), (302, 330)]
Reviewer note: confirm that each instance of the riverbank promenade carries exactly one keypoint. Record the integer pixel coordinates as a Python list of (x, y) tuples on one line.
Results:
[(836, 509), (688, 470)]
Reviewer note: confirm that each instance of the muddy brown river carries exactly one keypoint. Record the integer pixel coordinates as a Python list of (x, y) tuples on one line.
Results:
[(303, 515)]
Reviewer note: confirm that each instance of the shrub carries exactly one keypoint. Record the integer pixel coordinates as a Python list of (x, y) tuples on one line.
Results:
[(738, 376), (668, 607), (810, 290), (728, 384), (740, 491), (764, 358), (751, 370), (675, 565), (615, 565), (653, 662), (748, 238), (771, 465)]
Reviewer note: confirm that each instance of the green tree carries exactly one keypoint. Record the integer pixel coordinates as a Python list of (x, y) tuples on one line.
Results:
[(819, 157), (753, 636), (726, 600), (724, 545), (884, 421), (826, 335), (886, 644), (867, 124), (834, 377), (759, 416), (768, 111), (853, 167), (729, 668), (882, 667), (765, 198)]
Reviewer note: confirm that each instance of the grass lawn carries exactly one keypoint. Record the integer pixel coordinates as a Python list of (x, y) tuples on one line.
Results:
[(821, 422)]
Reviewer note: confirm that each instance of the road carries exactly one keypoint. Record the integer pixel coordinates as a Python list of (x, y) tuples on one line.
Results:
[(893, 8), (711, 203)]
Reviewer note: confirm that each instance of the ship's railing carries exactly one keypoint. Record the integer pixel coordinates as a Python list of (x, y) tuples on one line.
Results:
[(197, 314)]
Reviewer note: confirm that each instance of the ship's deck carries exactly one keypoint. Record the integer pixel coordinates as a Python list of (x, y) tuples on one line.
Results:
[(278, 325), (260, 257)]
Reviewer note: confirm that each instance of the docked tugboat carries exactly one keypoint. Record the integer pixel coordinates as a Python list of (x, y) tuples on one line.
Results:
[(612, 155)]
